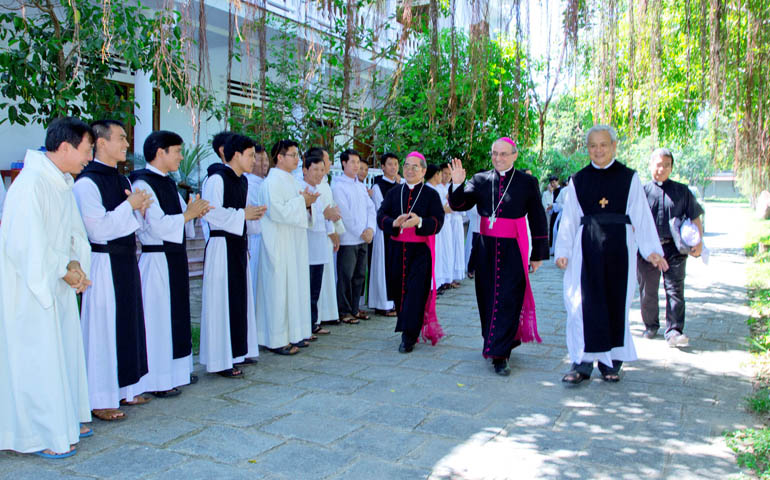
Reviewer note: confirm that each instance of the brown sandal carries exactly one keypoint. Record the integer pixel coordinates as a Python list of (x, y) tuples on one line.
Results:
[(349, 319), (138, 400), (109, 414), (361, 315)]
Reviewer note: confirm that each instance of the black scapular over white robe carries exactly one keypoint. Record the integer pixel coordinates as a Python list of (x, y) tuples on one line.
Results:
[(605, 219), (503, 293)]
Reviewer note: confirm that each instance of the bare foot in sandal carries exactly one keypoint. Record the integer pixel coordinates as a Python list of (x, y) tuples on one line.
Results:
[(108, 414)]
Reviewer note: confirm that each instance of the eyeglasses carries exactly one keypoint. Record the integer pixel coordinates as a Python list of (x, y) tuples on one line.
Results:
[(416, 166), (501, 154), (291, 155)]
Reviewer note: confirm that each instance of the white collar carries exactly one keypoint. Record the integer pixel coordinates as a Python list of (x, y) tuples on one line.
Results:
[(602, 168), (387, 179), (502, 174), (155, 170), (99, 161)]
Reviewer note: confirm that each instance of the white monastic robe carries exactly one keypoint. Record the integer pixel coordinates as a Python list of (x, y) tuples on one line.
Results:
[(165, 371), (474, 225), (252, 198), (454, 221), (378, 293), (641, 235), (283, 284), (2, 196), (43, 383), (98, 310), (444, 268), (215, 346), (327, 301)]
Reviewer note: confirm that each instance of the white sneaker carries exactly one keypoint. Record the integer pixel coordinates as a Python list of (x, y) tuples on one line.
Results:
[(677, 339)]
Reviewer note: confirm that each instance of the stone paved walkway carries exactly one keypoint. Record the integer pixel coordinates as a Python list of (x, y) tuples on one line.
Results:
[(350, 406)]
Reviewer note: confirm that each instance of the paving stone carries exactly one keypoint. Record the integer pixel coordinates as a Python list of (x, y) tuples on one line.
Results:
[(319, 429), (372, 469), (242, 415), (456, 426), (226, 444), (333, 383), (396, 417), (206, 470), (390, 445), (154, 429), (267, 396), (128, 462), (299, 460), (38, 473), (322, 403)]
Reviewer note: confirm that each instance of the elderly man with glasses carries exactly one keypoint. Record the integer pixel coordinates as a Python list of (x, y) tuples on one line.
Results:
[(506, 199), (412, 214)]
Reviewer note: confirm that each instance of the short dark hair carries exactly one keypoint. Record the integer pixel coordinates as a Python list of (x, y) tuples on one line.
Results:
[(237, 143), (103, 128), (316, 151), (280, 148), (311, 159), (345, 155), (219, 140), (258, 148), (66, 129), (384, 159), (551, 178), (443, 165), (160, 139), (431, 171)]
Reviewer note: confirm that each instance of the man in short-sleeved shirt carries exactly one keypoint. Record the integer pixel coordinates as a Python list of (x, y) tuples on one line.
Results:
[(668, 199)]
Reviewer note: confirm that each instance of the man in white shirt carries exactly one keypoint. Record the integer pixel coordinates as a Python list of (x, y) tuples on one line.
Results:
[(359, 218), (319, 247)]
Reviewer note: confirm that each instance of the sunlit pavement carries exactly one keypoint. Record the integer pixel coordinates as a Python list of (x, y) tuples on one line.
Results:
[(351, 406)]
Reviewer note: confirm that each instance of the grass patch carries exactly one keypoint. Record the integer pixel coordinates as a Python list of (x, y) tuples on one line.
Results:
[(196, 338), (752, 446), (727, 200), (753, 449)]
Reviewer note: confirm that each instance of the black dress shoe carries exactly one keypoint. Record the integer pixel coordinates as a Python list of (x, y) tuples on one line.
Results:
[(193, 379), (502, 368), (404, 348)]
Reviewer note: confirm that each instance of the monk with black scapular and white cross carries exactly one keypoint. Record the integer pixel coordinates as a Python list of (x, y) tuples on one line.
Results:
[(605, 219)]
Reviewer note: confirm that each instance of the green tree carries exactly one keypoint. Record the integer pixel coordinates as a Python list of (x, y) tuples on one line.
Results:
[(57, 58), (468, 117)]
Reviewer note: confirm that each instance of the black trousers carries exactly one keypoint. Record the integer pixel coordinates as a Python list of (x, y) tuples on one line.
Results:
[(316, 280), (351, 277), (587, 367), (673, 282)]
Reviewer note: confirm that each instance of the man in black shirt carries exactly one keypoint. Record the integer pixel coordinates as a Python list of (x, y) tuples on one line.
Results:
[(668, 199)]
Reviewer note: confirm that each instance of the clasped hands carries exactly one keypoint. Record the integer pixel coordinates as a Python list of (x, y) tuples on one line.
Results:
[(76, 277), (406, 220)]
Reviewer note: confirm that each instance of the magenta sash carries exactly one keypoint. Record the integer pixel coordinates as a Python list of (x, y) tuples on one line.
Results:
[(517, 228), (431, 329)]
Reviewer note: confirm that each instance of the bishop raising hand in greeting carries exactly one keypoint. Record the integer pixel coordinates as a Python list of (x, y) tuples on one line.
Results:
[(506, 199)]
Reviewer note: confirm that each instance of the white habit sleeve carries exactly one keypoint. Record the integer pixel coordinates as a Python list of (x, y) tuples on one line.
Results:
[(221, 218), (101, 225), (641, 219)]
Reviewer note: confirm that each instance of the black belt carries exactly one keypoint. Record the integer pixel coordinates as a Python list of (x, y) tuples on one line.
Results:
[(222, 233), (606, 219), (114, 249), (165, 248)]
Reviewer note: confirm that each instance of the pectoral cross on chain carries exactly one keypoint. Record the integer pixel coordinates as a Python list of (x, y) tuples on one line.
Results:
[(603, 202), (492, 221)]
